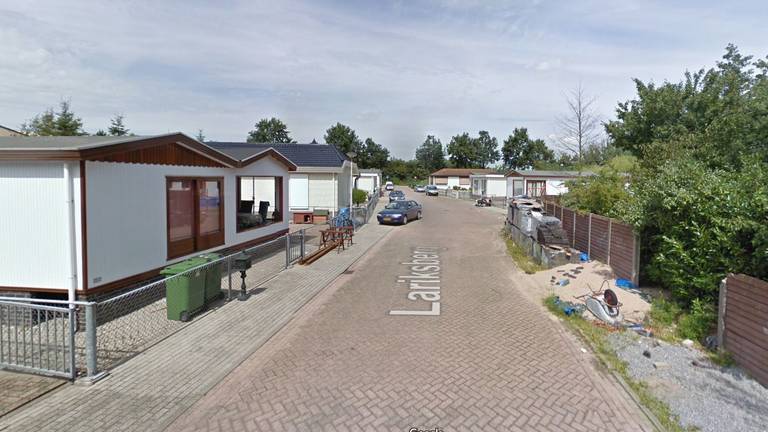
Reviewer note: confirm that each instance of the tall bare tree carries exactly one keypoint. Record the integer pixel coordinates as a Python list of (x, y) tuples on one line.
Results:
[(580, 126)]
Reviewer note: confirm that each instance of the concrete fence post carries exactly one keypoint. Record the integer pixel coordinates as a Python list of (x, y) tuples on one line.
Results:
[(636, 261), (721, 311), (610, 228), (90, 341), (573, 238), (589, 237)]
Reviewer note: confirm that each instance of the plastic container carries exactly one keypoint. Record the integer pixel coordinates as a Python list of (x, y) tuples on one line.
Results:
[(185, 294)]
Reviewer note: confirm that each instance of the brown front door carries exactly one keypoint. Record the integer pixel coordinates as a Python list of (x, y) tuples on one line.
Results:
[(195, 214)]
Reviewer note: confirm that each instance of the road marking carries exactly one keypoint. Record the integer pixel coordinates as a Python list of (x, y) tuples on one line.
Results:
[(423, 281)]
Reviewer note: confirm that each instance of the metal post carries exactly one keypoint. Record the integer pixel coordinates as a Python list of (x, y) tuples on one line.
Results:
[(73, 368), (90, 340), (287, 250), (302, 239), (229, 277)]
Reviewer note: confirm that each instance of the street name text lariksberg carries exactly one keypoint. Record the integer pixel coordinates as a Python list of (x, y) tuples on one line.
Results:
[(423, 281)]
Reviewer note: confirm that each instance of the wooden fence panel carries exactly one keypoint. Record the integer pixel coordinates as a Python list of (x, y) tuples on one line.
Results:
[(744, 318), (623, 250), (599, 238), (581, 239), (568, 224)]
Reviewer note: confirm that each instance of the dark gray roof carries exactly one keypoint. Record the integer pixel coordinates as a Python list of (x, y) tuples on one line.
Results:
[(306, 155)]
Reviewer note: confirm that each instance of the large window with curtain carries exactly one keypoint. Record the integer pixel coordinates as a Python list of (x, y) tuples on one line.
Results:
[(259, 201), (195, 214)]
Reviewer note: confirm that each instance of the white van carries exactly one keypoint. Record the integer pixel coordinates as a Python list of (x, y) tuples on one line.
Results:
[(389, 186)]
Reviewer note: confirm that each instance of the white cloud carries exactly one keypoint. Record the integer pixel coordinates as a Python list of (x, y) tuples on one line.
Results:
[(392, 71)]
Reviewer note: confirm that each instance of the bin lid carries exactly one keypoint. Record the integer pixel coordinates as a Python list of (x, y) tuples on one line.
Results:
[(210, 256), (183, 266)]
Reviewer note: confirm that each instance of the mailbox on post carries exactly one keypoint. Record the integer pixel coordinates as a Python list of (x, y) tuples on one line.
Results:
[(241, 263)]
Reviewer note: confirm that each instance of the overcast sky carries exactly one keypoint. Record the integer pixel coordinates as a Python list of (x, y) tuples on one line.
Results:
[(394, 71)]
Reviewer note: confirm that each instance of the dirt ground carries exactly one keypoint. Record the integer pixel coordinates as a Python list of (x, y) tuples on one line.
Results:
[(591, 275)]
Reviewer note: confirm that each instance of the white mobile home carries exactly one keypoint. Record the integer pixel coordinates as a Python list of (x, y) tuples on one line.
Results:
[(538, 183), (489, 185), (321, 184), (87, 215), (448, 178), (369, 180)]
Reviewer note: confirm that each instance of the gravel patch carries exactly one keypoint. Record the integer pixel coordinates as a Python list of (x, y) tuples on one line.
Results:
[(708, 397)]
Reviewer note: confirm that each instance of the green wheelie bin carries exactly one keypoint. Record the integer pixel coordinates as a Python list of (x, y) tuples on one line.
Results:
[(185, 294), (212, 278)]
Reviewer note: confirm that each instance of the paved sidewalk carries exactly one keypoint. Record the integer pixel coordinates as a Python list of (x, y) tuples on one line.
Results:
[(148, 392), (16, 389)]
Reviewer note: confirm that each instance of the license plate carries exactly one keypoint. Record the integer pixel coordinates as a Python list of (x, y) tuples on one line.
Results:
[(387, 219)]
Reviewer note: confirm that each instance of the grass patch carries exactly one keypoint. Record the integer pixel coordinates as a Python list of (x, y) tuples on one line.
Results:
[(721, 358), (520, 256), (596, 337)]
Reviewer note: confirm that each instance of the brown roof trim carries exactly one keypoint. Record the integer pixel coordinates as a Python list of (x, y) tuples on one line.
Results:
[(194, 145), (269, 152)]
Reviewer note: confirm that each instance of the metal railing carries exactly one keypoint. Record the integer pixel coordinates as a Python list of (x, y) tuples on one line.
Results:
[(71, 339), (37, 337)]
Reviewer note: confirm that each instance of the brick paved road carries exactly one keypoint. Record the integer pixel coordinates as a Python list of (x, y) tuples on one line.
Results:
[(493, 360)]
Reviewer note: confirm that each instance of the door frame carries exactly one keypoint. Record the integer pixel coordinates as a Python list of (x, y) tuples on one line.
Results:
[(198, 242)]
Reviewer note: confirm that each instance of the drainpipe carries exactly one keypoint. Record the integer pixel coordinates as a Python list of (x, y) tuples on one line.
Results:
[(72, 247)]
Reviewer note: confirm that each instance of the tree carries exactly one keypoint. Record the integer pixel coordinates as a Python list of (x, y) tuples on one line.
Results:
[(487, 149), (51, 123), (520, 151), (430, 154), (714, 116), (200, 137), (271, 130), (371, 155), (580, 126), (100, 132), (399, 170), (343, 137), (117, 128), (463, 151)]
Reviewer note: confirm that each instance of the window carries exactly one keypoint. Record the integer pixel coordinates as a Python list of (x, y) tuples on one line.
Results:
[(517, 187), (536, 188), (195, 208), (259, 202)]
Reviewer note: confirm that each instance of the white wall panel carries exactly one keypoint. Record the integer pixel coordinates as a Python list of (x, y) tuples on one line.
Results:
[(321, 191), (496, 187), (126, 206), (299, 187)]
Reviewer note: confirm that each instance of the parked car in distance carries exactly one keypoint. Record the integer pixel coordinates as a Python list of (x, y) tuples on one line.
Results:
[(396, 195), (420, 188), (431, 190), (400, 212), (389, 186)]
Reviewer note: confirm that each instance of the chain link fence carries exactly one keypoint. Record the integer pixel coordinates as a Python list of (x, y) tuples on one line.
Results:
[(50, 338)]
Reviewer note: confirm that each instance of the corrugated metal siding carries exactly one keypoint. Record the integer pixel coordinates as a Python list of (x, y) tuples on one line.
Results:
[(34, 226)]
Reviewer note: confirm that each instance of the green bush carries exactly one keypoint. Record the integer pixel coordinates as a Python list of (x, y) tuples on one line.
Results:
[(699, 223), (359, 196), (664, 312), (699, 322)]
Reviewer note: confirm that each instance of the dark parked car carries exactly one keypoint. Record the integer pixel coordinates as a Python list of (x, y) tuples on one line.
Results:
[(431, 190), (396, 195), (400, 212)]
